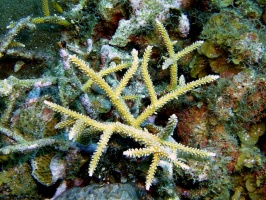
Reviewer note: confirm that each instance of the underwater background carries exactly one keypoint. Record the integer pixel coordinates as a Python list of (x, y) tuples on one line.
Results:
[(133, 99)]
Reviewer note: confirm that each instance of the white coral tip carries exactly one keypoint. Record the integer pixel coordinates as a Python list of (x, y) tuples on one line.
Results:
[(211, 154)]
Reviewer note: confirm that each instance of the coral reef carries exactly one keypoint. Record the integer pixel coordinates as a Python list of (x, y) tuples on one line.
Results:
[(17, 180), (133, 78)]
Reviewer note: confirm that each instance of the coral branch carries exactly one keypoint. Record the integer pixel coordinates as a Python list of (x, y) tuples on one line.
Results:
[(101, 146), (162, 146), (116, 100), (152, 108), (21, 24), (152, 169), (146, 76)]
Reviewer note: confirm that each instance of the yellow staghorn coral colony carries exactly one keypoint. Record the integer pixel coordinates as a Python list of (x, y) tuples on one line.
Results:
[(161, 146)]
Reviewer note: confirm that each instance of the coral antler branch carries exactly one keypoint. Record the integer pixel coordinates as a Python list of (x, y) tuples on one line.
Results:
[(101, 146), (153, 107), (160, 146), (145, 74), (77, 116), (170, 49), (130, 72), (152, 169), (116, 100), (105, 72)]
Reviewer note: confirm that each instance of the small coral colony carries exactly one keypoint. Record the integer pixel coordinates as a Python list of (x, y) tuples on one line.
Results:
[(136, 98)]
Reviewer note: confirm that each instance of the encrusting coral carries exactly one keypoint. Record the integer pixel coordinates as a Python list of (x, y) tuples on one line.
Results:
[(160, 145)]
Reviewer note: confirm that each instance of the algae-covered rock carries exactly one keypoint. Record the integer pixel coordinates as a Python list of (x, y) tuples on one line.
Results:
[(126, 28), (143, 13), (247, 47), (257, 130), (250, 185), (209, 50), (249, 9), (17, 182), (230, 31), (237, 195), (251, 137), (222, 3), (198, 67), (35, 121), (94, 192), (250, 158), (112, 10), (111, 54), (261, 2)]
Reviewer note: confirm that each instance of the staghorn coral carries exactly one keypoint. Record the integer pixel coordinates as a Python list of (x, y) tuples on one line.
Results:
[(24, 146), (51, 19), (16, 28), (220, 119), (9, 47), (45, 8), (173, 57), (160, 146)]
